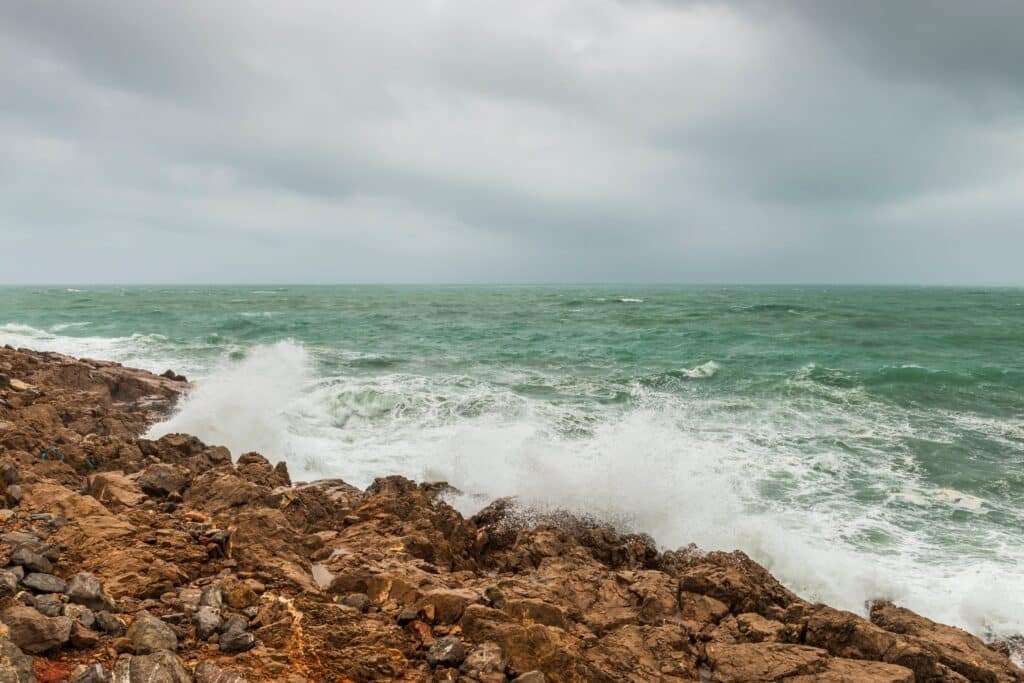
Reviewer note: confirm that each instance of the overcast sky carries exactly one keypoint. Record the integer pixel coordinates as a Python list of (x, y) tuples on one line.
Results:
[(480, 141)]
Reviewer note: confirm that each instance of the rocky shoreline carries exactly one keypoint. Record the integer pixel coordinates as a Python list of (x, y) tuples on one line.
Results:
[(130, 560)]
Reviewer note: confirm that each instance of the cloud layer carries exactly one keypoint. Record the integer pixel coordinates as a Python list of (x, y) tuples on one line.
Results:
[(480, 141)]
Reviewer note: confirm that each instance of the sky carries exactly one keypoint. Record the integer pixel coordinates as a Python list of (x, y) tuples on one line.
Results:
[(493, 141)]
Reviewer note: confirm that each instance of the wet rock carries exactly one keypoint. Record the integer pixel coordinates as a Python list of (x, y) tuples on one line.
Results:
[(110, 624), (92, 673), (15, 665), (149, 634), (23, 556), (447, 652), (207, 622), (359, 601), (85, 589), (44, 583), (33, 632)]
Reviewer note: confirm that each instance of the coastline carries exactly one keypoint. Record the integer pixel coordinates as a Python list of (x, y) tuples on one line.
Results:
[(322, 581)]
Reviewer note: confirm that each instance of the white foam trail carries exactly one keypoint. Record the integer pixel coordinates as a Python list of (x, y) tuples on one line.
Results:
[(702, 371), (146, 351)]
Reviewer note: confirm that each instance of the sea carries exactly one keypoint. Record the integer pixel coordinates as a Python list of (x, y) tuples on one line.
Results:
[(860, 442)]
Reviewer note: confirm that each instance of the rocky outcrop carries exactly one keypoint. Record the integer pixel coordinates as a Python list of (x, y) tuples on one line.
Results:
[(126, 559)]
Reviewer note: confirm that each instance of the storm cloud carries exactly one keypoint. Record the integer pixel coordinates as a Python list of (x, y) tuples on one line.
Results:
[(480, 141)]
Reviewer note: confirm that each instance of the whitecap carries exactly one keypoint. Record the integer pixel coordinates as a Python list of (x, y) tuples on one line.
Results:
[(702, 371)]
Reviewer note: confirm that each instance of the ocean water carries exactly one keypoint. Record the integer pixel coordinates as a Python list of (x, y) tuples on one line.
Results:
[(861, 443)]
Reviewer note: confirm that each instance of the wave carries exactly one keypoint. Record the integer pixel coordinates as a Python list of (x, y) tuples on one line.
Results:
[(703, 371), (681, 470)]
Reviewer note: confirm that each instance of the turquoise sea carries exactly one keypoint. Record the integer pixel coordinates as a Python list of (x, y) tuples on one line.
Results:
[(860, 442)]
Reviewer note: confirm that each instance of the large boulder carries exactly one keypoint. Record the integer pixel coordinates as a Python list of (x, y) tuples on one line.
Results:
[(149, 634), (15, 665), (33, 632), (85, 589)]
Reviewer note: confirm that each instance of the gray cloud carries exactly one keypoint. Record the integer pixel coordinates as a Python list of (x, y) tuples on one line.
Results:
[(482, 141)]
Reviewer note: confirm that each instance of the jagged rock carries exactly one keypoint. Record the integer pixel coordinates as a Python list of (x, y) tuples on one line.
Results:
[(235, 636), (23, 556), (115, 490), (359, 601), (162, 479), (15, 665), (207, 672), (207, 622), (212, 596), (85, 589), (80, 613), (83, 637), (44, 583), (49, 605), (161, 666), (149, 634), (92, 673), (110, 624), (8, 583), (33, 632), (485, 659), (447, 651), (239, 595)]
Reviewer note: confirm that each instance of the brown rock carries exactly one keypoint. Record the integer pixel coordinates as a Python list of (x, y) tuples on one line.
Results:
[(33, 632)]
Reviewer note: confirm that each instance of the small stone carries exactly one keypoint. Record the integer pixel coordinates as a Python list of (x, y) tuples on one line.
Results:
[(80, 613), (85, 589), (82, 637), (49, 605), (360, 601), (158, 667), (406, 615), (15, 665), (93, 673), (149, 634), (207, 622), (446, 651), (531, 677), (110, 624), (34, 562), (44, 583), (8, 583)]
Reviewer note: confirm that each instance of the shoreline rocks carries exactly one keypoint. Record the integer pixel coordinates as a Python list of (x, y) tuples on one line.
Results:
[(127, 559)]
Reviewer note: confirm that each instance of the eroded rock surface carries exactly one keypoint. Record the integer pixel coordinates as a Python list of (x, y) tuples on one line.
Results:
[(126, 559)]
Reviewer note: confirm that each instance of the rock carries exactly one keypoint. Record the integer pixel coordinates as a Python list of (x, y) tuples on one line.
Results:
[(161, 666), (486, 658), (235, 636), (212, 596), (15, 665), (239, 595), (149, 634), (447, 652), (33, 632), (162, 479), (82, 637), (530, 677), (115, 490), (8, 583), (92, 673), (110, 624), (360, 601), (407, 615), (31, 561), (49, 605), (207, 622), (19, 572), (85, 589), (80, 613), (44, 583), (207, 672)]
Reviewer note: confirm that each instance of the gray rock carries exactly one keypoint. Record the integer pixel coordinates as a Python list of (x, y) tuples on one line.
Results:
[(80, 613), (235, 636), (446, 651), (207, 622), (13, 538), (23, 556), (407, 615), (485, 659), (49, 605), (157, 667), (33, 632), (531, 677), (94, 673), (15, 665), (211, 673), (44, 583), (8, 583), (149, 634), (110, 624), (17, 571), (212, 596), (85, 589), (361, 601)]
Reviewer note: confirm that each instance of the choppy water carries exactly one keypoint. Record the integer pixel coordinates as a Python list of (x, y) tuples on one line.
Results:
[(860, 442)]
